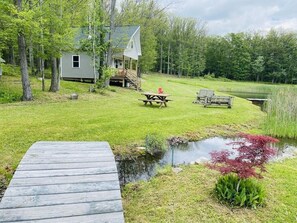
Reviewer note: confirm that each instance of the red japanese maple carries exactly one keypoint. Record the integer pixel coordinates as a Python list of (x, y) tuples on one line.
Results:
[(253, 151)]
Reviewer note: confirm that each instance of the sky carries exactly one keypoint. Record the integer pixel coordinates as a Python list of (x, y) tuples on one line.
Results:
[(226, 16)]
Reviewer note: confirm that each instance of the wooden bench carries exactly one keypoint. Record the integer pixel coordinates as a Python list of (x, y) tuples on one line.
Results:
[(207, 97), (202, 94), (157, 101), (218, 100)]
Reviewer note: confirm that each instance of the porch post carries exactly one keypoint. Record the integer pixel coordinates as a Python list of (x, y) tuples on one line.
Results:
[(136, 68), (124, 71), (124, 62)]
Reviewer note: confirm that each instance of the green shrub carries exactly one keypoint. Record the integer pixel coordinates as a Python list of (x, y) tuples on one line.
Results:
[(155, 143), (239, 192), (6, 97), (11, 70), (224, 79), (209, 76), (108, 72)]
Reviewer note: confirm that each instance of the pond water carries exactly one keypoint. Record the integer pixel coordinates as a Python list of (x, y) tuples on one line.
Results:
[(242, 94), (145, 167), (245, 95)]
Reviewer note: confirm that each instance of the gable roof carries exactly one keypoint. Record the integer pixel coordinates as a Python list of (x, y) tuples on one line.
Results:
[(120, 37)]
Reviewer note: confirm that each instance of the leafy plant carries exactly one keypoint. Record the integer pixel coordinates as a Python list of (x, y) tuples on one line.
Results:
[(10, 70), (252, 152), (107, 73), (247, 194), (155, 143), (6, 97), (209, 76)]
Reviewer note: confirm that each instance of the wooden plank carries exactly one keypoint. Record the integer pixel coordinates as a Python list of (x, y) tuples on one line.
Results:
[(65, 172), (68, 160), (84, 143), (55, 211), (115, 217), (72, 148), (68, 145), (53, 156), (70, 151), (58, 166), (16, 182), (57, 199), (62, 188)]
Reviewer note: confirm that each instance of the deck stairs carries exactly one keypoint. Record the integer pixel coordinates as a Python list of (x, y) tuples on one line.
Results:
[(131, 76)]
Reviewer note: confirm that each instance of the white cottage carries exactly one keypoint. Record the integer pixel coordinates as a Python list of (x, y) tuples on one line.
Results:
[(126, 51)]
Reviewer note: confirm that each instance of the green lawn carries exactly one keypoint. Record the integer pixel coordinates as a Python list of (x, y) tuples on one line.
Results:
[(117, 117)]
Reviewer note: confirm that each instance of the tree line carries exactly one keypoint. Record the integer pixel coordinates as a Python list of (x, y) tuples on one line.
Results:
[(34, 33), (181, 46), (254, 56)]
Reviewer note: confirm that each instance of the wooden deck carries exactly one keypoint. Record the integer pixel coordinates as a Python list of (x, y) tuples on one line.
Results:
[(64, 182)]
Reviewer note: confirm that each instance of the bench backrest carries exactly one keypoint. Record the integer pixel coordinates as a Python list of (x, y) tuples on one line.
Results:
[(205, 93)]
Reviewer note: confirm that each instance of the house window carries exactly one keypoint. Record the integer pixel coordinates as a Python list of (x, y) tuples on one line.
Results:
[(75, 61), (131, 44)]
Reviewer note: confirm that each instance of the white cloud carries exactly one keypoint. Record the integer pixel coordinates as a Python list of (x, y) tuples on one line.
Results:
[(224, 16)]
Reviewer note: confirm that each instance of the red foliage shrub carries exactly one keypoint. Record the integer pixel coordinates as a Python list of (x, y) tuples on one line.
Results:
[(253, 151)]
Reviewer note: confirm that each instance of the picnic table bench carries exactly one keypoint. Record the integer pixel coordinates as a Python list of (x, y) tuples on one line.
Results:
[(207, 97), (218, 100), (156, 98)]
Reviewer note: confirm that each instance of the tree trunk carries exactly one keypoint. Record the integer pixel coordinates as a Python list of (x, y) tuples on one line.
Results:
[(112, 26), (168, 59), (27, 92), (41, 60), (55, 77), (161, 60), (31, 52), (179, 58), (11, 54)]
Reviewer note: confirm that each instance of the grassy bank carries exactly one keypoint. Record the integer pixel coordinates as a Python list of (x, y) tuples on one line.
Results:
[(188, 197), (282, 113)]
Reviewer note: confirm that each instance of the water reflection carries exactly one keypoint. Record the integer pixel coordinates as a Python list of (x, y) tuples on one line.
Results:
[(144, 168)]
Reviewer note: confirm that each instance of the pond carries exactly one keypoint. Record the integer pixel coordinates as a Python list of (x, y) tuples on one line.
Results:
[(242, 94), (145, 167), (250, 96)]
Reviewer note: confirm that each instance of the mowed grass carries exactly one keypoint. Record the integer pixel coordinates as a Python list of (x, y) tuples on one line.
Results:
[(117, 117), (188, 197)]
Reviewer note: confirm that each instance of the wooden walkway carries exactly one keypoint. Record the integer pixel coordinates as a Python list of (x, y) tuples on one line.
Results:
[(59, 182)]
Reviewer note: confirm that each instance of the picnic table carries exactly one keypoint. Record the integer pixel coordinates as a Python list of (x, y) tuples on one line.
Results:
[(156, 98)]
